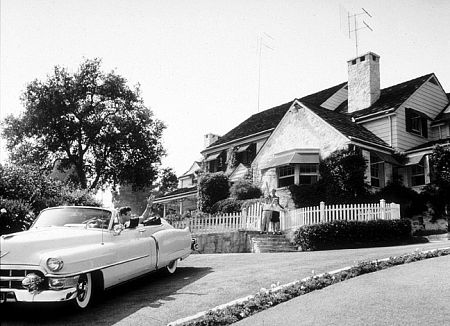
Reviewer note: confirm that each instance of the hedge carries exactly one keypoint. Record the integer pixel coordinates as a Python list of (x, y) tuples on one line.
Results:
[(342, 234)]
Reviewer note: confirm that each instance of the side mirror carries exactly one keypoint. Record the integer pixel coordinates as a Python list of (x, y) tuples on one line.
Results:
[(118, 228)]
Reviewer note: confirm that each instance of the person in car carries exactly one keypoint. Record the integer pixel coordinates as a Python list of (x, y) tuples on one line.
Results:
[(125, 217)]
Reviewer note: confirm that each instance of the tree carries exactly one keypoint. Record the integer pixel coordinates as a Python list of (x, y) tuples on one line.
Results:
[(168, 181), (211, 188), (25, 191), (342, 173), (438, 191), (91, 122)]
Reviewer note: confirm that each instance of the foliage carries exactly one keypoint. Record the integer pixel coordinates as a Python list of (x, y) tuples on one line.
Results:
[(267, 298), (25, 191), (440, 160), (341, 181), (438, 191), (15, 215), (342, 234), (245, 189), (91, 122), (411, 203), (308, 195), (343, 173), (211, 188), (225, 206), (168, 181)]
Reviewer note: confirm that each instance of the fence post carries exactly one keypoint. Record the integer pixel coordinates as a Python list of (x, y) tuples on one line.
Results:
[(383, 209), (395, 211), (322, 211)]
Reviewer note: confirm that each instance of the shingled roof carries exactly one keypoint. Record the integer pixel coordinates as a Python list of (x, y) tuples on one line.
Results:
[(345, 125), (269, 119), (391, 97)]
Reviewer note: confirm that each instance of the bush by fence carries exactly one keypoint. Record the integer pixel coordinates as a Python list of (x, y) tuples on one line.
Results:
[(340, 234)]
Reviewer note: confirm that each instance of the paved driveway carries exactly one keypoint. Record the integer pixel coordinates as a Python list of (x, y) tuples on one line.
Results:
[(410, 294), (201, 282)]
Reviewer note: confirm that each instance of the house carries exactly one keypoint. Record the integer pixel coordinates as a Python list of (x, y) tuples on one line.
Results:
[(183, 199), (283, 145)]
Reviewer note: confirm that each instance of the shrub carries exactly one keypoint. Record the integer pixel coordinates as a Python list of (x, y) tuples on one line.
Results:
[(15, 216), (411, 203), (340, 234), (225, 206), (211, 188), (308, 195), (26, 189), (244, 189)]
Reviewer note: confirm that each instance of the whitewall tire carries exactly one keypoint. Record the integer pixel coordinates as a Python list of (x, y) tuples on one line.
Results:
[(85, 291), (172, 267)]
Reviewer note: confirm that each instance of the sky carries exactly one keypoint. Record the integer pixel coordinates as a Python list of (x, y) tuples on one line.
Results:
[(199, 63)]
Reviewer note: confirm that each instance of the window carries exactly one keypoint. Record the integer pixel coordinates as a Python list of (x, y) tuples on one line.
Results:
[(417, 175), (416, 122), (376, 171), (286, 175), (309, 174), (246, 156)]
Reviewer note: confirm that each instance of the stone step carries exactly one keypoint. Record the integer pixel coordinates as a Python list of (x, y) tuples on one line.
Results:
[(262, 243), (272, 242)]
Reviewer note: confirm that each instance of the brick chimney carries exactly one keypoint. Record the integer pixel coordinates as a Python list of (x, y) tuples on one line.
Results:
[(209, 139), (363, 81)]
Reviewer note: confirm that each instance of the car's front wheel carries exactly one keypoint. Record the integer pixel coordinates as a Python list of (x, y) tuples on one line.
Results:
[(88, 289), (172, 267)]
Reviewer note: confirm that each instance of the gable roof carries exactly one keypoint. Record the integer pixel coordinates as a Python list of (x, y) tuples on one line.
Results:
[(390, 97), (345, 125), (269, 119), (191, 170), (443, 116)]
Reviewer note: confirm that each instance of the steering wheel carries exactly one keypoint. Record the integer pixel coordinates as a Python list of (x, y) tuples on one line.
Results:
[(94, 222)]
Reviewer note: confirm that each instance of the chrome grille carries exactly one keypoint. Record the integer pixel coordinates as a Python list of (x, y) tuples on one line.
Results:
[(12, 278)]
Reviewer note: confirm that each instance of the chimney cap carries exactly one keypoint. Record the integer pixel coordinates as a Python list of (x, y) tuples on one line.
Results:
[(363, 55)]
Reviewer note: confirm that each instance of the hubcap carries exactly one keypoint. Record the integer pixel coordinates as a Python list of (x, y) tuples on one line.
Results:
[(81, 288)]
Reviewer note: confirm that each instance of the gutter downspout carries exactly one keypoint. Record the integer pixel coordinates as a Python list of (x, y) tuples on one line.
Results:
[(390, 130)]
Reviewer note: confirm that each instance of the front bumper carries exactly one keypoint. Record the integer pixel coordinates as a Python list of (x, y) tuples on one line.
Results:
[(18, 295)]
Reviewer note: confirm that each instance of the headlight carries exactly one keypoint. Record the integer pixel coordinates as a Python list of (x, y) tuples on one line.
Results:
[(55, 264)]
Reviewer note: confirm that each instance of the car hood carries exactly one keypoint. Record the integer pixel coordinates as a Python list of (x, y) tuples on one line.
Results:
[(26, 247)]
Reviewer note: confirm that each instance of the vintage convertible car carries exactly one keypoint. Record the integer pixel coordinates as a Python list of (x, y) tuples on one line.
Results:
[(72, 253)]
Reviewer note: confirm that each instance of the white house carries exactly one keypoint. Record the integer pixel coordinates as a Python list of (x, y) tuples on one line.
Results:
[(283, 145)]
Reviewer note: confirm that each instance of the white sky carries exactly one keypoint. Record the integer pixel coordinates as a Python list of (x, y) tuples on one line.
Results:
[(197, 60)]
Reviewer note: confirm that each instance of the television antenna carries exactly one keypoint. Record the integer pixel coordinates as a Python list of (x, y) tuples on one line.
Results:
[(263, 39), (353, 25)]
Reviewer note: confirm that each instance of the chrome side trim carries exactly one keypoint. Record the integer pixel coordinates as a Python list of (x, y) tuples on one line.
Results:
[(157, 251), (97, 268)]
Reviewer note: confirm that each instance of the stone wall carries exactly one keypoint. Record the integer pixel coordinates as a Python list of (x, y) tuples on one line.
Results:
[(229, 242)]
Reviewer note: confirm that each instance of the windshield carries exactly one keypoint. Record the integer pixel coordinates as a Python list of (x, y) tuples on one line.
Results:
[(74, 216)]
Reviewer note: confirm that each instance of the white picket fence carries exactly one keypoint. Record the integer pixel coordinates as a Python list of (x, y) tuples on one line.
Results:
[(250, 218), (346, 212)]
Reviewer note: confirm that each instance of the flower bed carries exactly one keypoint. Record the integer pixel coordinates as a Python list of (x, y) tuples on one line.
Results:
[(266, 298)]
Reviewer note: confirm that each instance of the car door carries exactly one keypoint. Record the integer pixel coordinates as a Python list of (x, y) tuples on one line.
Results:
[(134, 256)]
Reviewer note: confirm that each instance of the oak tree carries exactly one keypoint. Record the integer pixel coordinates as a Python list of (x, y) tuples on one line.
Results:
[(89, 122)]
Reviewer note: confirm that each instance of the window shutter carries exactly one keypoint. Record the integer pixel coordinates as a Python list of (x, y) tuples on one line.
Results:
[(424, 127), (408, 119)]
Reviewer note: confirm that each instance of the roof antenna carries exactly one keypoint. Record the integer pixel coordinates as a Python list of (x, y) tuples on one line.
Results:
[(352, 23), (262, 39)]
